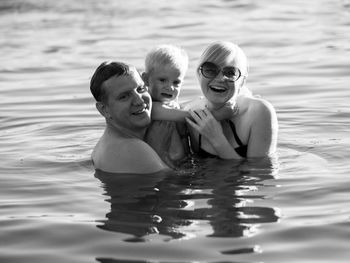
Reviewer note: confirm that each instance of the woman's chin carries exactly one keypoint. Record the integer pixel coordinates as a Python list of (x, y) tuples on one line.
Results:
[(217, 100)]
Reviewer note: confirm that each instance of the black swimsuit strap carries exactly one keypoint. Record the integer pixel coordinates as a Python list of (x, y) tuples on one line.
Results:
[(233, 128), (241, 149), (200, 142)]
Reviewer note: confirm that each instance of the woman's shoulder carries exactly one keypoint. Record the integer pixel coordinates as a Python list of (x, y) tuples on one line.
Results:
[(253, 110), (255, 104)]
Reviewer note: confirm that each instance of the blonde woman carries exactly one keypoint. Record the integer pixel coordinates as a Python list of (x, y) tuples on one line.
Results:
[(250, 132)]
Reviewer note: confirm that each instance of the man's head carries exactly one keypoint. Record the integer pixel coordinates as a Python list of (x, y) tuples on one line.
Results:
[(105, 71), (121, 96)]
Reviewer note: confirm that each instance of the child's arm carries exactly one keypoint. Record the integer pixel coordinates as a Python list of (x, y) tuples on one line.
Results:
[(161, 112)]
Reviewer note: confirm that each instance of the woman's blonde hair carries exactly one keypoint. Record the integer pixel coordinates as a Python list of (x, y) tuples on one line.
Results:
[(220, 51)]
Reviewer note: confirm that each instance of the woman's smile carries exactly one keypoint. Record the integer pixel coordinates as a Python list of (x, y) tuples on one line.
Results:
[(218, 88)]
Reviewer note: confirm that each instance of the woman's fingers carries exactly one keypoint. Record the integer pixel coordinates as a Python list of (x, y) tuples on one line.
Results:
[(207, 113), (195, 115), (192, 124), (200, 114)]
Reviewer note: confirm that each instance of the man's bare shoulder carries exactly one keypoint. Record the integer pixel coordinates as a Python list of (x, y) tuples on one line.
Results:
[(129, 155)]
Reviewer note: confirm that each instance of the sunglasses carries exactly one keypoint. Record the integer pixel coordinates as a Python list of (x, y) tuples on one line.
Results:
[(210, 70)]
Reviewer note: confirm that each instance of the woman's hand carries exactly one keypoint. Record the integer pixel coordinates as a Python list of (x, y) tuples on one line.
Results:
[(205, 124)]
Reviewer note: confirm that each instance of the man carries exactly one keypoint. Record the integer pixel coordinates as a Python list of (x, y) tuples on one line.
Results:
[(124, 101)]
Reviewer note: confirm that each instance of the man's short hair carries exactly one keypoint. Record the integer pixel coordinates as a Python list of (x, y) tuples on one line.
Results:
[(105, 71)]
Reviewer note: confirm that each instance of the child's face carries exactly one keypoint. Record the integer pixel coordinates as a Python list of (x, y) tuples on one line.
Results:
[(164, 83)]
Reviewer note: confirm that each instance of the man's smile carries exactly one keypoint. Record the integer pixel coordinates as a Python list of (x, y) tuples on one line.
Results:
[(141, 110)]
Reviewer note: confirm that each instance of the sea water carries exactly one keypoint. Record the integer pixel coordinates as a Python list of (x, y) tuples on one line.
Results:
[(54, 207)]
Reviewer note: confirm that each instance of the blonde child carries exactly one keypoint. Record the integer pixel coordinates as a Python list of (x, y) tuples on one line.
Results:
[(165, 69)]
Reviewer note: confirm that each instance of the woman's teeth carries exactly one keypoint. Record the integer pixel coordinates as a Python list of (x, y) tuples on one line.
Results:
[(218, 89)]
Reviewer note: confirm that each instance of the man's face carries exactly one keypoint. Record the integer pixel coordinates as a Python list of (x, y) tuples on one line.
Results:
[(128, 103)]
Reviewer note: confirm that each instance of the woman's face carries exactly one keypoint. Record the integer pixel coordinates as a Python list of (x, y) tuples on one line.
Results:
[(220, 89)]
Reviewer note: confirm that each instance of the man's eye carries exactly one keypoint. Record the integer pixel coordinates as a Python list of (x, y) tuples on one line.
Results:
[(162, 80), (142, 89), (123, 97)]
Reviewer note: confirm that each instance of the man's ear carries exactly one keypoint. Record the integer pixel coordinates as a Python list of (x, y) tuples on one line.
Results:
[(103, 109), (145, 77)]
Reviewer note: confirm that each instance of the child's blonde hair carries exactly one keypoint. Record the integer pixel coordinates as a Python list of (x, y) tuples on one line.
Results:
[(165, 55)]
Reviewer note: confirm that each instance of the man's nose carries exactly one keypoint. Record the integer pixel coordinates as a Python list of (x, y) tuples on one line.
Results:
[(138, 99)]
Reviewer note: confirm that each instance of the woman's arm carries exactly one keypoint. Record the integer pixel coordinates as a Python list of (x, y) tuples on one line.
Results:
[(262, 128), (263, 134)]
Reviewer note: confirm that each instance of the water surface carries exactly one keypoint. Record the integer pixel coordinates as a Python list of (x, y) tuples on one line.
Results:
[(56, 208)]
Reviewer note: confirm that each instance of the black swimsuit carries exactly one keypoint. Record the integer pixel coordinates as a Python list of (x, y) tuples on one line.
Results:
[(241, 149)]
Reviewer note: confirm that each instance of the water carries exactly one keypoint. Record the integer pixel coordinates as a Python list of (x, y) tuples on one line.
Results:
[(54, 208)]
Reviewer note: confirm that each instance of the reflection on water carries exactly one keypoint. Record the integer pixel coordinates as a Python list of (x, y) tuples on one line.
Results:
[(180, 205)]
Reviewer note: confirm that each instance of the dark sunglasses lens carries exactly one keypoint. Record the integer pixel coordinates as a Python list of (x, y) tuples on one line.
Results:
[(209, 70), (231, 72)]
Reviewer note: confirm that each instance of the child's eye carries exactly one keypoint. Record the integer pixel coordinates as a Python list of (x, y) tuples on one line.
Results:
[(162, 80), (177, 82)]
